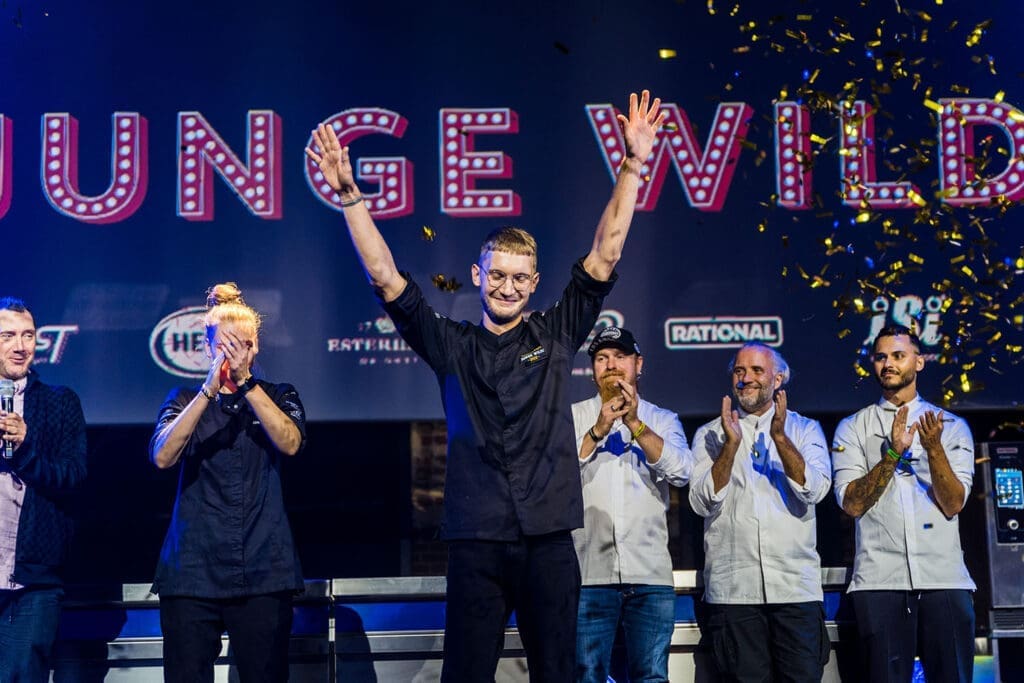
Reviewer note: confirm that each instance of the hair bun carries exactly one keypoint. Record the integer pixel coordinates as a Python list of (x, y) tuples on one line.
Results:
[(226, 292)]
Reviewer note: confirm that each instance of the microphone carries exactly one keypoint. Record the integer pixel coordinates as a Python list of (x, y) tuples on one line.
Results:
[(7, 406)]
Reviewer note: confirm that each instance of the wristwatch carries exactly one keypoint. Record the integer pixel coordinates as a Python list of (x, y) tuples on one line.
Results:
[(248, 385)]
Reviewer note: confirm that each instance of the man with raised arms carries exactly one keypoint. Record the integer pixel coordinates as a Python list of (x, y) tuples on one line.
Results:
[(512, 491)]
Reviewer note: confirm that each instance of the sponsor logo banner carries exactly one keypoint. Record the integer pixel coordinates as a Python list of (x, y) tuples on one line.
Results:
[(721, 332), (178, 343), (51, 342), (376, 342)]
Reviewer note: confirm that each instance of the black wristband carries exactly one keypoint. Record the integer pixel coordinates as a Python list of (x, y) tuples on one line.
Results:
[(594, 436), (248, 385)]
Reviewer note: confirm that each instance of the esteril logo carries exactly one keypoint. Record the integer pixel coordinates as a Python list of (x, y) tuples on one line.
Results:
[(178, 343), (722, 332)]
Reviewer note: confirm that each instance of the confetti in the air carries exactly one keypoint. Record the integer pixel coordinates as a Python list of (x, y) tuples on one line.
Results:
[(446, 283)]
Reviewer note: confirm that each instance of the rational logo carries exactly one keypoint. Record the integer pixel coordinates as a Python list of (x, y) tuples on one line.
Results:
[(722, 332), (178, 343)]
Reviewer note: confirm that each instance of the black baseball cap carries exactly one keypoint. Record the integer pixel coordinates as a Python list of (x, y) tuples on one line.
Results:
[(617, 337)]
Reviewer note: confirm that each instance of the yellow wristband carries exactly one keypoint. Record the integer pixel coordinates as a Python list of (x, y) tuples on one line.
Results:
[(639, 431)]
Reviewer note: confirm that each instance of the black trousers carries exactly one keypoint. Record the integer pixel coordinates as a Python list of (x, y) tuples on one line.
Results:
[(258, 626), (539, 578), (937, 626), (775, 642)]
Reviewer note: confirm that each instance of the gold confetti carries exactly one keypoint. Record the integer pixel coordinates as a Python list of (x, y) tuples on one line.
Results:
[(975, 36), (804, 17), (446, 284), (933, 105), (998, 97), (428, 233), (666, 53)]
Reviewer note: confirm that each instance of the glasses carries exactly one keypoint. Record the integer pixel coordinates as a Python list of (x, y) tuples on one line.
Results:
[(520, 281)]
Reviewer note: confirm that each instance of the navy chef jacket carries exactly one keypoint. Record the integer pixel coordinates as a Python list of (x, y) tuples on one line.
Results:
[(512, 464), (229, 535)]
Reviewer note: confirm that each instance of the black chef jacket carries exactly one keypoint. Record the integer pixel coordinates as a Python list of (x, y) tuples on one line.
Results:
[(512, 464)]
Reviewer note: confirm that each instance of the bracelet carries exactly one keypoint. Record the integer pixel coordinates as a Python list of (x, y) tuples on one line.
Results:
[(248, 385), (351, 202), (206, 392), (593, 435), (639, 431), (625, 168), (893, 454)]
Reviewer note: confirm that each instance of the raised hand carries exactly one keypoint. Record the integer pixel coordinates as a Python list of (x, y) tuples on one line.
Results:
[(333, 160), (630, 403), (239, 355), (778, 425), (901, 437), (642, 124), (929, 426), (213, 377), (611, 410), (731, 422)]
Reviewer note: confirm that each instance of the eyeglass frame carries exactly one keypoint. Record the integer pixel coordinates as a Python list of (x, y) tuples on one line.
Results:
[(520, 281)]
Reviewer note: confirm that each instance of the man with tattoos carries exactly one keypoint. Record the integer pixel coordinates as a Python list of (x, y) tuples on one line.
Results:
[(903, 468)]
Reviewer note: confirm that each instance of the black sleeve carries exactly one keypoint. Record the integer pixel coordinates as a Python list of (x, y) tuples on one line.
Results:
[(287, 399), (573, 316), (52, 456), (427, 332), (173, 405)]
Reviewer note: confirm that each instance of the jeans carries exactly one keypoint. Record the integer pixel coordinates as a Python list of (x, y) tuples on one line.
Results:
[(28, 627), (647, 616)]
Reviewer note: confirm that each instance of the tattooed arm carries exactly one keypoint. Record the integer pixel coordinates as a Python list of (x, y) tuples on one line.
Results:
[(856, 497), (862, 493)]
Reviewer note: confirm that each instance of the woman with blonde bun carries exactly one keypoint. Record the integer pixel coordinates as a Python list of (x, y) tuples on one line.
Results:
[(228, 562)]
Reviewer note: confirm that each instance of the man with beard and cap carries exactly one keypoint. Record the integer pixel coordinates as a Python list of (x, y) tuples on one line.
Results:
[(630, 452), (758, 473), (512, 486), (904, 468), (44, 463)]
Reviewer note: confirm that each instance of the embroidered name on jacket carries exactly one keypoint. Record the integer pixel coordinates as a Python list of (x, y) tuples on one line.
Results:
[(533, 357)]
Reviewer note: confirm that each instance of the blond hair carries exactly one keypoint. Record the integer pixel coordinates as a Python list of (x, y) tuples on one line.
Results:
[(510, 240), (224, 304)]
